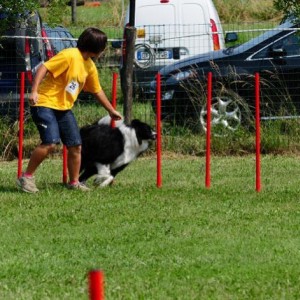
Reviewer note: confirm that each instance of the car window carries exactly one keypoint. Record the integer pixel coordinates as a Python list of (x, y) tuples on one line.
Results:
[(289, 46)]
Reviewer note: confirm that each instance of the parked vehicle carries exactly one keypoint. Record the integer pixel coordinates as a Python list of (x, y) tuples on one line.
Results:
[(49, 51), (275, 55), (21, 50), (59, 38), (171, 30)]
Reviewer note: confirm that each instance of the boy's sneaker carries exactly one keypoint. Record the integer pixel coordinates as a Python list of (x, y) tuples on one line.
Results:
[(27, 184), (78, 186)]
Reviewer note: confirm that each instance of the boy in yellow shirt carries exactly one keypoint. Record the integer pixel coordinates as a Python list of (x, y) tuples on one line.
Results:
[(56, 87)]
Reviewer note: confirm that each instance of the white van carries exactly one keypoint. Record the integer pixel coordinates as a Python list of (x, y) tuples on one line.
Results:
[(170, 30)]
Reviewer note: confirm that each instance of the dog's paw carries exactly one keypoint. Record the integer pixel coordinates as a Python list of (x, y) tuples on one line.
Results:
[(103, 181)]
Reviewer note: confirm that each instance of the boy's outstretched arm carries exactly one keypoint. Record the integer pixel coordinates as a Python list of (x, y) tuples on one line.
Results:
[(102, 99)]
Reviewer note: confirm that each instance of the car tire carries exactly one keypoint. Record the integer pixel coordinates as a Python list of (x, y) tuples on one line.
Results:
[(228, 112)]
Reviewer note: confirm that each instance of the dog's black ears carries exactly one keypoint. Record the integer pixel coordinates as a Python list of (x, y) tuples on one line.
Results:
[(136, 123)]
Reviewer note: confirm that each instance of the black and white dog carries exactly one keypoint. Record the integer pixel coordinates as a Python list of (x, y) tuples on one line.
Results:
[(107, 150)]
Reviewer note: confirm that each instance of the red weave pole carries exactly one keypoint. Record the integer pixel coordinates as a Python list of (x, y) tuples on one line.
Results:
[(257, 125), (208, 129), (96, 285), (114, 96), (21, 123), (158, 131), (65, 164)]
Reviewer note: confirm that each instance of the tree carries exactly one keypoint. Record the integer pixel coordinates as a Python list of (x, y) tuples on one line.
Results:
[(288, 7), (18, 7), (12, 10), (56, 10)]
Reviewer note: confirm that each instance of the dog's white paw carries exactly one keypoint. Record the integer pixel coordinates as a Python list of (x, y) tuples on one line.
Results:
[(103, 181)]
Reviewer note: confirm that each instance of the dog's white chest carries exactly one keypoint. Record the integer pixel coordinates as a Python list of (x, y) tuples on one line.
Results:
[(132, 148)]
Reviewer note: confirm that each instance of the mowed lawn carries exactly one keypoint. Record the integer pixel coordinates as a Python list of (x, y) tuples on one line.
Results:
[(180, 241)]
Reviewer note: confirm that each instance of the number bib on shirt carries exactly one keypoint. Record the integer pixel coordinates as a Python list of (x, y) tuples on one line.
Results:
[(72, 87)]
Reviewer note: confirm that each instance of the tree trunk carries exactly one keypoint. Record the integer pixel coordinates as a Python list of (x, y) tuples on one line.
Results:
[(127, 73), (74, 7)]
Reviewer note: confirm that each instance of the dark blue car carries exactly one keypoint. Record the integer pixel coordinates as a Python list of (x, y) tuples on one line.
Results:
[(275, 55)]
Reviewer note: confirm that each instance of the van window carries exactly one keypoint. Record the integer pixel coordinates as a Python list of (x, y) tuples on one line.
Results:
[(156, 14)]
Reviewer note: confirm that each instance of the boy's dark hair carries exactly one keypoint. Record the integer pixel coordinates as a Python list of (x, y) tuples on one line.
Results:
[(92, 40)]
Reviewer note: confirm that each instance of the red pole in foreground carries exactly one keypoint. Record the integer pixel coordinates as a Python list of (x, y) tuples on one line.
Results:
[(208, 129), (114, 96), (158, 131), (21, 123), (96, 285), (65, 166), (257, 125)]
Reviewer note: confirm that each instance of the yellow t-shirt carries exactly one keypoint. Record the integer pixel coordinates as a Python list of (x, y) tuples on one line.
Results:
[(68, 74)]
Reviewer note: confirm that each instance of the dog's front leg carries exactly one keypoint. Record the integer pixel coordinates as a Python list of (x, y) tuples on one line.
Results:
[(103, 177)]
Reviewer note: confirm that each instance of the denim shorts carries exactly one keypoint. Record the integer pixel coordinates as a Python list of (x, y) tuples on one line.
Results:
[(56, 125)]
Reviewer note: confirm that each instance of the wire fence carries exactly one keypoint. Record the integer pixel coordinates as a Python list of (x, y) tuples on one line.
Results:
[(182, 50)]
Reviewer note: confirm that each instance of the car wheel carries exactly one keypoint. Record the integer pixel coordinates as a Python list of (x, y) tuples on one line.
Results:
[(226, 112)]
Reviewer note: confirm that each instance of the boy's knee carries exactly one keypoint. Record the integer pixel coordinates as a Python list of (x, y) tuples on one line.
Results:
[(49, 147)]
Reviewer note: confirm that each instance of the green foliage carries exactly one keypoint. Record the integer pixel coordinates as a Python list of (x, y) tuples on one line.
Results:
[(277, 136), (232, 11), (15, 10), (18, 7), (288, 7), (57, 11), (87, 16), (9, 139)]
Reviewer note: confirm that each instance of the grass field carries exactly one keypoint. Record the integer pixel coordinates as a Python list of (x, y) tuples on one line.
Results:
[(181, 241)]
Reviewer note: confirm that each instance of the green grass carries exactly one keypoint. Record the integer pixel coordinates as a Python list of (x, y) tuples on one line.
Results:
[(181, 241), (246, 10), (109, 17)]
